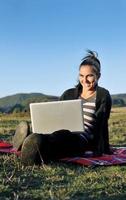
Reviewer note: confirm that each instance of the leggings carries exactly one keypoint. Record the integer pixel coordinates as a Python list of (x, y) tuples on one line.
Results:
[(62, 143)]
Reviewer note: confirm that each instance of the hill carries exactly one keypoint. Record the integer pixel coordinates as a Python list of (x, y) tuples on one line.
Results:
[(119, 100), (20, 102)]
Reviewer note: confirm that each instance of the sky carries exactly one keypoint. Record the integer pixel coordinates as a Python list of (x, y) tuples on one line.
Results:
[(42, 43)]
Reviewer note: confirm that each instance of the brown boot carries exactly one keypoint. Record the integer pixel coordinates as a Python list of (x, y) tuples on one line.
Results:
[(30, 151)]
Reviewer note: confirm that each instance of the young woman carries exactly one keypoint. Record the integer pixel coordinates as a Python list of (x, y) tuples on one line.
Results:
[(39, 148)]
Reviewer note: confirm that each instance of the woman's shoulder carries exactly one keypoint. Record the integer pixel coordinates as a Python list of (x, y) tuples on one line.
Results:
[(70, 90), (102, 90), (103, 95), (69, 94)]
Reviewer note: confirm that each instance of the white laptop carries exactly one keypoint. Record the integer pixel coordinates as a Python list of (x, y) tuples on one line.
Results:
[(47, 117)]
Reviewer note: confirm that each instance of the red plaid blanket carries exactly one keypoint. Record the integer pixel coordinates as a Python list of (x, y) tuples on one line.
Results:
[(6, 147), (118, 157)]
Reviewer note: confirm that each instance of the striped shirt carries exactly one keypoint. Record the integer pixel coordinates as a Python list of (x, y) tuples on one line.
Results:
[(88, 108)]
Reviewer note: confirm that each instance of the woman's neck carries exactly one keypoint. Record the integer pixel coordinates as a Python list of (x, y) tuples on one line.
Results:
[(87, 93)]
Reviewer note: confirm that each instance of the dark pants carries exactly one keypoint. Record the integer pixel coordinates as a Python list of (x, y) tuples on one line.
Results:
[(62, 143)]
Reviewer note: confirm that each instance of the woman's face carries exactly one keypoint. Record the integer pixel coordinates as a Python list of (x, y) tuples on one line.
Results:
[(87, 77)]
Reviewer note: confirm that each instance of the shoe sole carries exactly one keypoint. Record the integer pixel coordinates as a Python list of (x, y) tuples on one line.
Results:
[(22, 131)]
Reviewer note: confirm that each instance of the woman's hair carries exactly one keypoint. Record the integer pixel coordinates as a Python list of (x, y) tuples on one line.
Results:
[(91, 59)]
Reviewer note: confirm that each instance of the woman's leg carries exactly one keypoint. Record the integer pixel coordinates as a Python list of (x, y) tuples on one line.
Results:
[(39, 148), (64, 143)]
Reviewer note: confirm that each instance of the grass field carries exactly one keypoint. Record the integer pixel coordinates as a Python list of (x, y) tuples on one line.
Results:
[(62, 181)]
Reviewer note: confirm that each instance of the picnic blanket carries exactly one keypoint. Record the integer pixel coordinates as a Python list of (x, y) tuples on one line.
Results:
[(6, 147), (117, 158)]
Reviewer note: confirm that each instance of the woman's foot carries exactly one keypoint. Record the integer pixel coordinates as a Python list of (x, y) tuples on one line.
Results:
[(22, 131), (30, 151)]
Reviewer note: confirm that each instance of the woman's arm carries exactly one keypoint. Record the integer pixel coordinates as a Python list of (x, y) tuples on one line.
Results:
[(101, 136)]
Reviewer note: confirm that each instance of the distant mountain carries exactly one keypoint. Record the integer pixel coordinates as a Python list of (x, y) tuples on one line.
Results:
[(20, 102), (119, 99)]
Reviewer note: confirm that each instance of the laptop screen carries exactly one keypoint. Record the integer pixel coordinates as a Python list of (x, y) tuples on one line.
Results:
[(47, 117)]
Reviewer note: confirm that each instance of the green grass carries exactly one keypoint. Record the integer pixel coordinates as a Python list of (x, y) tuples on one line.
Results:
[(59, 180)]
